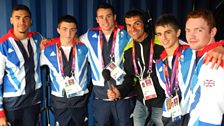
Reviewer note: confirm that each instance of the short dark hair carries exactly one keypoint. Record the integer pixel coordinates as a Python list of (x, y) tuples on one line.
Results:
[(69, 19), (21, 7), (167, 19), (105, 6), (134, 13), (142, 14)]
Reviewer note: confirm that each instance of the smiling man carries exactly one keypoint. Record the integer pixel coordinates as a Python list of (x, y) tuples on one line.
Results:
[(20, 83), (106, 44), (139, 64), (168, 30), (207, 96)]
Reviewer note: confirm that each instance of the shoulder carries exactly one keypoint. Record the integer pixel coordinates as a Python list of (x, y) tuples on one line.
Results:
[(4, 38), (158, 49), (53, 41), (81, 45), (129, 45), (91, 33), (35, 35)]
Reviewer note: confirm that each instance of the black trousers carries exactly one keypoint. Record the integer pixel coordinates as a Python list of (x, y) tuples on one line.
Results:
[(70, 116), (23, 117), (182, 122)]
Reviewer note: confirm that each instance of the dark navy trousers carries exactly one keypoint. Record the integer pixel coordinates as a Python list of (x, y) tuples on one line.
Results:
[(118, 113), (23, 117)]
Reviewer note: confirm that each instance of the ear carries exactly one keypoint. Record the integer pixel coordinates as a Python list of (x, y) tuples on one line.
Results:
[(11, 20), (178, 33), (58, 30), (97, 20), (115, 16), (213, 32)]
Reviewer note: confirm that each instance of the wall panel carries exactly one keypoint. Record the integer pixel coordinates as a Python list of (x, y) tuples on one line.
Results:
[(45, 13)]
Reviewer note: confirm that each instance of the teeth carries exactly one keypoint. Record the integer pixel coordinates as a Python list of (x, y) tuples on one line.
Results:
[(165, 42), (134, 33)]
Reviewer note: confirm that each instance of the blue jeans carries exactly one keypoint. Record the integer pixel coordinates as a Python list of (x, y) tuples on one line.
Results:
[(141, 113), (156, 117)]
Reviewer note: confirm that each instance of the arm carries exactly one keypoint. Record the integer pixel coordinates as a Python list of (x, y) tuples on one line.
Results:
[(2, 72), (212, 95), (215, 55), (43, 42), (128, 83)]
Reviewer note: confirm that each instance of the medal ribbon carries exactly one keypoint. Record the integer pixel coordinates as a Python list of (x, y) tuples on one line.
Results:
[(60, 57), (150, 58), (169, 83), (113, 44)]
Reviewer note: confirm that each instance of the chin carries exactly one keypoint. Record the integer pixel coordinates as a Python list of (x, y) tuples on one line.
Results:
[(194, 47)]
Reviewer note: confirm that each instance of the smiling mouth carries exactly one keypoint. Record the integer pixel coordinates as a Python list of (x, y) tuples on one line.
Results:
[(165, 42), (192, 41)]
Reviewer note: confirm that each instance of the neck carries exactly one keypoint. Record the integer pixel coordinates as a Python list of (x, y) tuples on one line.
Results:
[(144, 36), (108, 32), (20, 36), (212, 40), (170, 51), (64, 43)]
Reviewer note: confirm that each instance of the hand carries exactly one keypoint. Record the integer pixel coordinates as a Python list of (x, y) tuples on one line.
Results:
[(3, 121), (43, 42), (215, 55), (113, 93)]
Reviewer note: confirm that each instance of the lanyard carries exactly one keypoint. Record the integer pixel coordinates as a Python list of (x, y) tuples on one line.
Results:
[(113, 44), (150, 58), (60, 58), (174, 76)]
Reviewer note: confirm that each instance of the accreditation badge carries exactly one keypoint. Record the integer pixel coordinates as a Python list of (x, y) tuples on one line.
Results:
[(71, 87), (115, 71), (148, 88), (175, 110)]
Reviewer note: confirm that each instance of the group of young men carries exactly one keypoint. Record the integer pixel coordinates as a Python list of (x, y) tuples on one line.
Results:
[(133, 77)]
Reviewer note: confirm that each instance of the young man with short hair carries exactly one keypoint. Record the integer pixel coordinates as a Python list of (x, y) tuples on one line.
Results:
[(168, 30), (20, 83), (106, 44), (69, 74), (207, 96), (175, 69)]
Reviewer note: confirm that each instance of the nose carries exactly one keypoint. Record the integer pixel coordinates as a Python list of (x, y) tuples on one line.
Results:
[(164, 37), (105, 20), (68, 33), (22, 20), (191, 34), (132, 28)]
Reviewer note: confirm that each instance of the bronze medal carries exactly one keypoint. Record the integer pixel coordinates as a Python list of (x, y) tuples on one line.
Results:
[(169, 103)]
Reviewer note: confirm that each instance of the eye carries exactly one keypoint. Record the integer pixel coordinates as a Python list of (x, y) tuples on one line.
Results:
[(158, 34), (200, 30), (17, 17), (100, 17), (168, 32), (27, 18), (128, 25), (187, 30), (64, 29), (138, 23), (109, 16), (74, 30)]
